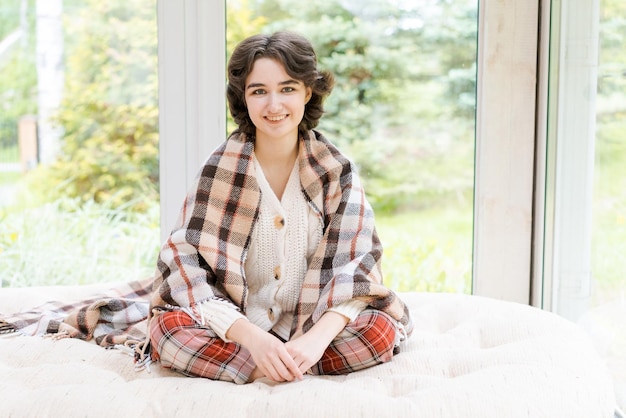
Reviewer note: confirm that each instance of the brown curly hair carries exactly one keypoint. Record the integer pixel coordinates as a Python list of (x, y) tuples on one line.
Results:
[(298, 57)]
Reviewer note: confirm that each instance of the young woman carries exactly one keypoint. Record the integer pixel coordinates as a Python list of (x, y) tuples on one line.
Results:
[(273, 269)]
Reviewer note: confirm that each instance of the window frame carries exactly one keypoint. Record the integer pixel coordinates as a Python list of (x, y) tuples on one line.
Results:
[(192, 123), (570, 159), (192, 114), (504, 184)]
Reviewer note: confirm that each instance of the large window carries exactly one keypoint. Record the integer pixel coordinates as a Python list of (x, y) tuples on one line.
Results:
[(403, 108), (586, 193), (78, 141), (192, 50)]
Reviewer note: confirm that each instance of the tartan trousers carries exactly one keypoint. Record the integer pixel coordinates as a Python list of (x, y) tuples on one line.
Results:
[(183, 345)]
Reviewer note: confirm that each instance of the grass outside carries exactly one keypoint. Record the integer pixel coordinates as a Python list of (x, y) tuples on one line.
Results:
[(65, 244), (424, 250), (9, 178), (428, 250), (609, 211)]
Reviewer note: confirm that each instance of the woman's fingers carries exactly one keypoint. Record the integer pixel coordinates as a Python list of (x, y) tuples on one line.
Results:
[(269, 353), (292, 367), (286, 368), (280, 367)]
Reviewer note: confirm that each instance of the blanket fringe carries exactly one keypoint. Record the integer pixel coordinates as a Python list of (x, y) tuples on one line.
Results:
[(139, 351), (144, 365), (58, 335), (143, 359), (6, 328)]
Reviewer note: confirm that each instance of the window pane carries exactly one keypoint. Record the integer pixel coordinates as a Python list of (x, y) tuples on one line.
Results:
[(79, 80), (403, 108), (589, 128), (609, 199), (608, 304)]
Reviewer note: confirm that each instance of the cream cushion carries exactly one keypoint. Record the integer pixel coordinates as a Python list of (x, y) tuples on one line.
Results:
[(468, 357)]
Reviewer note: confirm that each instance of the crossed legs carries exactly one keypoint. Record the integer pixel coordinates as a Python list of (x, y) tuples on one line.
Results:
[(194, 350)]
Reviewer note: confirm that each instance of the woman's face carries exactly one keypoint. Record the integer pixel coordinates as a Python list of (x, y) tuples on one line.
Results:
[(275, 101)]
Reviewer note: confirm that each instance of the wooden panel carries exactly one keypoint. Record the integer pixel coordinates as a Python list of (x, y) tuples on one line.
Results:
[(505, 128)]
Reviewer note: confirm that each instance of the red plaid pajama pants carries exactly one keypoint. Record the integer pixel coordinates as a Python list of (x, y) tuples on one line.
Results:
[(185, 346)]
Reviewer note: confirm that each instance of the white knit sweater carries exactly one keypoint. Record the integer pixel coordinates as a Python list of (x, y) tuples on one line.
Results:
[(284, 238)]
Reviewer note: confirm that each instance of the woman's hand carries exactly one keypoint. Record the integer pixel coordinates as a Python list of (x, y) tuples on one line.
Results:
[(309, 348), (268, 352)]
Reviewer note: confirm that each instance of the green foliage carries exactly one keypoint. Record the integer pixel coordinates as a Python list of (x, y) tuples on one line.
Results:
[(109, 113), (10, 16), (112, 58), (412, 174), (612, 62), (241, 22), (357, 50), (450, 33), (396, 93), (403, 103), (110, 157)]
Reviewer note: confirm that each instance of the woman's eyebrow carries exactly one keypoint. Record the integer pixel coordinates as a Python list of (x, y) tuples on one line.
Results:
[(287, 82), (282, 83), (254, 85)]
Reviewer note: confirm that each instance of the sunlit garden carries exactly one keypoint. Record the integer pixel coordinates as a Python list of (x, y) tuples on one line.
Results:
[(403, 108)]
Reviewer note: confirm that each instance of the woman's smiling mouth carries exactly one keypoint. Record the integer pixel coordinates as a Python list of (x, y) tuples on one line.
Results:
[(276, 118)]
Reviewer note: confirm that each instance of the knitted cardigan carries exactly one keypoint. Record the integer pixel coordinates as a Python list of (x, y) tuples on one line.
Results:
[(204, 256)]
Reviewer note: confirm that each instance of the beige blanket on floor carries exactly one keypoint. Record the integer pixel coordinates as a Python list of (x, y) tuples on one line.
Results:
[(468, 357)]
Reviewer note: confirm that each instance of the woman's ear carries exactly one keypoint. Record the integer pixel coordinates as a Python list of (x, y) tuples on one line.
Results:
[(309, 94)]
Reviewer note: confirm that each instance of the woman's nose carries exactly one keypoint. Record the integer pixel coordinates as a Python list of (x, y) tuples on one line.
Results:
[(274, 102)]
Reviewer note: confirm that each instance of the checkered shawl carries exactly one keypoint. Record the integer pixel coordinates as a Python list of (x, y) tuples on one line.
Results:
[(115, 316), (205, 254)]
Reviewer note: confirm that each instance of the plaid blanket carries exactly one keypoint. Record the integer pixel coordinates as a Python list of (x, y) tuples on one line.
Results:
[(116, 316), (205, 254), (203, 257)]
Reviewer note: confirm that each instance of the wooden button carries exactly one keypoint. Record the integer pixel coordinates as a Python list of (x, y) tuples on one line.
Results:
[(279, 222), (277, 273)]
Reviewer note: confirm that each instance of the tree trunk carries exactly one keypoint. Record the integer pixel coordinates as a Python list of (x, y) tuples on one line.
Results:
[(50, 75)]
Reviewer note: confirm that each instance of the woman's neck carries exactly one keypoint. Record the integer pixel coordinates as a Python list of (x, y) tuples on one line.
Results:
[(277, 160), (276, 153)]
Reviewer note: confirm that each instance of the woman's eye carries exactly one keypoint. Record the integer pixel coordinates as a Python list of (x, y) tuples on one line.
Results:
[(288, 89), (258, 91)]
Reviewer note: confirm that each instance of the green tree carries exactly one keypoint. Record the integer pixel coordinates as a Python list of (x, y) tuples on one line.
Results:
[(450, 35), (241, 22), (405, 77), (109, 112), (612, 71), (364, 59)]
